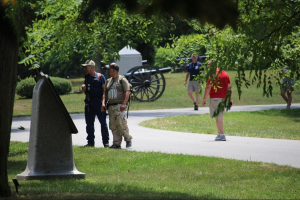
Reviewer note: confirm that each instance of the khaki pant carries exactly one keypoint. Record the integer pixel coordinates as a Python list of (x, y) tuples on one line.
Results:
[(118, 124)]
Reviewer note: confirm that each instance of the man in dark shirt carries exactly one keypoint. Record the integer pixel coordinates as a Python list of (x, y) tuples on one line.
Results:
[(93, 87), (193, 70)]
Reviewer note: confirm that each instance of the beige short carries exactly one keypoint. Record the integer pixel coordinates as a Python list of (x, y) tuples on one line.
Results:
[(213, 105), (194, 86)]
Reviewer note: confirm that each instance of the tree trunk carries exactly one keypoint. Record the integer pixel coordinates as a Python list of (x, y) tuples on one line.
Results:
[(8, 78)]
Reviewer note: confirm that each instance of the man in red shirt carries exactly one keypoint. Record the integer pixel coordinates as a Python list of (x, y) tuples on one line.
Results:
[(217, 88)]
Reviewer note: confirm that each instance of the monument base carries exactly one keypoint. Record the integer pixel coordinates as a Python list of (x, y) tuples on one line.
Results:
[(38, 176)]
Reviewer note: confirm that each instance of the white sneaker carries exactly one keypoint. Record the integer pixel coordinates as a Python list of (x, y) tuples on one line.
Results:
[(220, 137)]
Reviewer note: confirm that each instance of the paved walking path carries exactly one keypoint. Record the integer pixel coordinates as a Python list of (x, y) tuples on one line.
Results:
[(278, 151)]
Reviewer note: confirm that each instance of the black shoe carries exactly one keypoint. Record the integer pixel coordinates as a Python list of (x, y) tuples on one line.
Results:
[(106, 145), (89, 145), (128, 144), (115, 147), (195, 106)]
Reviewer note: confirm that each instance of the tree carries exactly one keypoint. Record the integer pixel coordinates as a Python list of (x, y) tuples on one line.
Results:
[(16, 16), (11, 35), (8, 49)]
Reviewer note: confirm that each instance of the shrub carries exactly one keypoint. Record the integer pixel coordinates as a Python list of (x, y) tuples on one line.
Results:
[(25, 87), (164, 58), (62, 86)]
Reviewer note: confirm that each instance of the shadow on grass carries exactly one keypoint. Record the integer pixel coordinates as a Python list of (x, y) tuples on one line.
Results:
[(80, 189)]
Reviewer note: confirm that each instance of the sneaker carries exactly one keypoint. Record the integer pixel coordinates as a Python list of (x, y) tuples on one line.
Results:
[(220, 137), (196, 107), (115, 147), (128, 144), (106, 145), (89, 145)]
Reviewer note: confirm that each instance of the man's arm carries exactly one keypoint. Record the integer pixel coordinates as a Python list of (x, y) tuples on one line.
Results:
[(83, 88), (229, 88), (206, 93), (123, 106), (103, 98), (186, 78)]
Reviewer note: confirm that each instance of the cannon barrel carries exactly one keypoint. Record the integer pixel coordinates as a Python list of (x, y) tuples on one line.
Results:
[(162, 70)]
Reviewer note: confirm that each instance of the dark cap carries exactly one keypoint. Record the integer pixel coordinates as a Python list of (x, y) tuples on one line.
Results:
[(114, 66)]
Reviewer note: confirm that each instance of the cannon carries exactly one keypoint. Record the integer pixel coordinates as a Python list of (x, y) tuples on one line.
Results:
[(148, 81)]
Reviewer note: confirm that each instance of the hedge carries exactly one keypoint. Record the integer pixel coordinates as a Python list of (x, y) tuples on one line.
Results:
[(25, 87)]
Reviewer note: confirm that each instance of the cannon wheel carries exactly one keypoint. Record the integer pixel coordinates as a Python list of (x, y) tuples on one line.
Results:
[(149, 83)]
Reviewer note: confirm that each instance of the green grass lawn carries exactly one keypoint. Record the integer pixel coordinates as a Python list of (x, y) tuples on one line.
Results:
[(280, 124), (174, 96), (121, 174)]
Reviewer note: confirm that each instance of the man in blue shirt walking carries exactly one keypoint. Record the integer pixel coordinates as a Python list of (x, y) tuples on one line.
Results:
[(193, 70)]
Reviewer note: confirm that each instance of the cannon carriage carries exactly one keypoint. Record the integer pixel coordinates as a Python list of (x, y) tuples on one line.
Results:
[(148, 81)]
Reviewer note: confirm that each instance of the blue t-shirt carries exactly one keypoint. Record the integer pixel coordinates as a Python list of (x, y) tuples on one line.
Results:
[(194, 69)]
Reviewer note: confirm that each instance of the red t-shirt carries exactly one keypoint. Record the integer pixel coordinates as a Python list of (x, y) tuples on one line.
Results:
[(221, 90)]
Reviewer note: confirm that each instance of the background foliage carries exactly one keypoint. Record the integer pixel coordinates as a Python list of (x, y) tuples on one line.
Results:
[(181, 48), (266, 39)]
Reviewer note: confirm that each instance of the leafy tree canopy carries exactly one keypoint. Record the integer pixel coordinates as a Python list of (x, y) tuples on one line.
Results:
[(266, 35), (60, 38)]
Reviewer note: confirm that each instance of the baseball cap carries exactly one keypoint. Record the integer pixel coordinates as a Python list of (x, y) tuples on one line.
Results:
[(194, 55), (114, 66), (89, 63)]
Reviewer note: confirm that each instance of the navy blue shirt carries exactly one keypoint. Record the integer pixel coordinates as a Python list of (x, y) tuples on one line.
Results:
[(94, 86), (194, 69)]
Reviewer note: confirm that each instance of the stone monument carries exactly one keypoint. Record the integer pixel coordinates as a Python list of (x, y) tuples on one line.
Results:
[(50, 153)]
